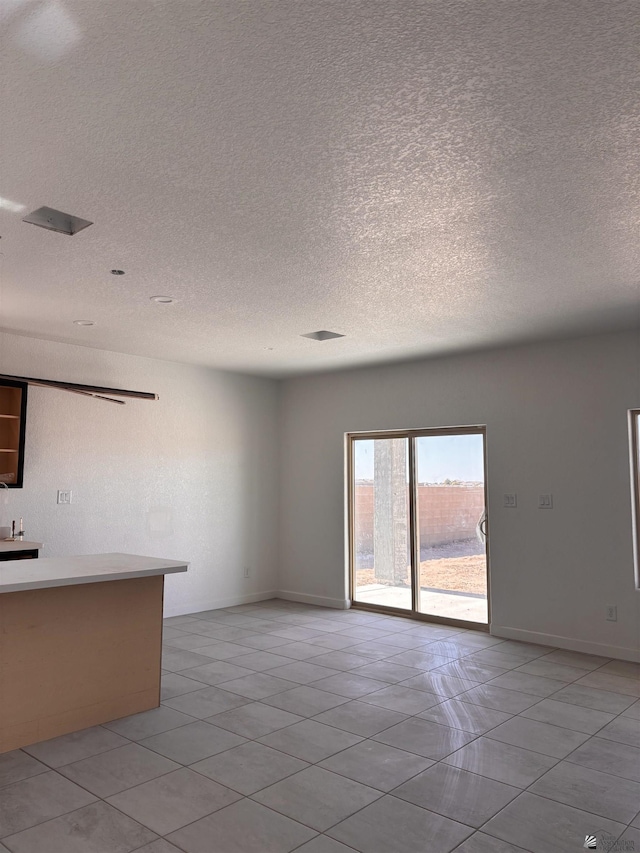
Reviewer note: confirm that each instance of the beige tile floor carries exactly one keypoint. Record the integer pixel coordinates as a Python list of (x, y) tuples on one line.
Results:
[(285, 727)]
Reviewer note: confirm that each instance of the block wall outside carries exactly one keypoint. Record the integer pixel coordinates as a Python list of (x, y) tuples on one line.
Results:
[(447, 513)]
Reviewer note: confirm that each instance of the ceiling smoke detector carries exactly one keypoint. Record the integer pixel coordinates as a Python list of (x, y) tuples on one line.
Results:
[(322, 335), (163, 300), (56, 220), (83, 323)]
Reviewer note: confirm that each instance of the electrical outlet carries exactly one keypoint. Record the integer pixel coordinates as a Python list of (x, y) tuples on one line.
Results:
[(545, 502), (511, 501), (247, 571), (612, 613), (64, 497)]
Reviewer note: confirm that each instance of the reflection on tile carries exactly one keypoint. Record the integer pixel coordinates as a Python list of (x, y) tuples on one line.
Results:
[(442, 685), (412, 734), (462, 796), (403, 699), (501, 761), (489, 696), (463, 715), (471, 671), (425, 738)]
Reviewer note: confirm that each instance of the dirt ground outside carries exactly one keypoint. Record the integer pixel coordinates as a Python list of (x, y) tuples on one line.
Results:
[(458, 574)]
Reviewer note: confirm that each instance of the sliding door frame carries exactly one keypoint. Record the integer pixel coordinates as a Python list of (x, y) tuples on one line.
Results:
[(412, 435)]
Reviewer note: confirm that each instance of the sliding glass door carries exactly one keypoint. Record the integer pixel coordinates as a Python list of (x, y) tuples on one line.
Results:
[(382, 538), (418, 523)]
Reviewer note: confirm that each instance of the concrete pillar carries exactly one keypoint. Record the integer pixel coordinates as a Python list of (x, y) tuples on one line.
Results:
[(390, 511)]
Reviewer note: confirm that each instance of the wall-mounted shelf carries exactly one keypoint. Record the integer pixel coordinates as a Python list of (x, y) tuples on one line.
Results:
[(13, 413)]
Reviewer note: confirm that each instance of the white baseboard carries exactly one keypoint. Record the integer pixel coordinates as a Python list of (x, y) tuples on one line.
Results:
[(320, 601), (217, 603), (585, 646)]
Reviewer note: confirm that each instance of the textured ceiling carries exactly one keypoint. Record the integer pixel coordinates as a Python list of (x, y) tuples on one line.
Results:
[(421, 177)]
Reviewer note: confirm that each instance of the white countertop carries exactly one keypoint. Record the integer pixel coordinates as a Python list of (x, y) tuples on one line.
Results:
[(19, 545), (18, 575)]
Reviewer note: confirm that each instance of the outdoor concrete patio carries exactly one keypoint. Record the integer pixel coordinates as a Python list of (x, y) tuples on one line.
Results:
[(470, 607)]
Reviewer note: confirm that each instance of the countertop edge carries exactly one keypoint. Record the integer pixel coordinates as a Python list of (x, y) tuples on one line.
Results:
[(58, 582)]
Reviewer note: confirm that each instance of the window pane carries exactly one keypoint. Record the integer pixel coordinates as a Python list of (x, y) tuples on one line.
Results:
[(381, 522), (450, 510)]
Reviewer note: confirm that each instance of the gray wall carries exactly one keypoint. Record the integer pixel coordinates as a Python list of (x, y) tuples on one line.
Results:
[(193, 476), (556, 417)]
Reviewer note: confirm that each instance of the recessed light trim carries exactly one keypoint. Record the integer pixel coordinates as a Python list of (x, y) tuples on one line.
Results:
[(84, 323), (163, 300), (117, 272), (322, 335)]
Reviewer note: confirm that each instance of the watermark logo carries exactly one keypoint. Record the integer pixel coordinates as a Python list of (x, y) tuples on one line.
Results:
[(602, 840)]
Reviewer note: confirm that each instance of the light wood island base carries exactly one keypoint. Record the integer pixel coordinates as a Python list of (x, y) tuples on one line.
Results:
[(77, 655)]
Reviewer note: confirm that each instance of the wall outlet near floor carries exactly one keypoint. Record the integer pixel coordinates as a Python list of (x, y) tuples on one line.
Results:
[(64, 497), (545, 502), (612, 613), (511, 500), (247, 571)]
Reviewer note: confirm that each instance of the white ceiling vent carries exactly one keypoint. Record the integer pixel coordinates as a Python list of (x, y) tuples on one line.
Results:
[(322, 335), (56, 220)]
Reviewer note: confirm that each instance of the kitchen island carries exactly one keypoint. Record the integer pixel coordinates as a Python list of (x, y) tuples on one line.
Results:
[(80, 642)]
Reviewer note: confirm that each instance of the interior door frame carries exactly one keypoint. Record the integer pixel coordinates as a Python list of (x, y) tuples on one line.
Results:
[(411, 435)]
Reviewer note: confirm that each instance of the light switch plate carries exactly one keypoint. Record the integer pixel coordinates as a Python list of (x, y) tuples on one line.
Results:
[(64, 497), (545, 502), (511, 500)]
